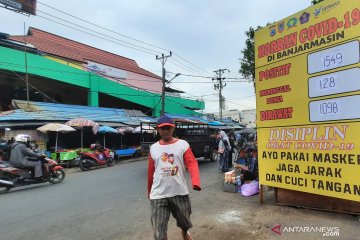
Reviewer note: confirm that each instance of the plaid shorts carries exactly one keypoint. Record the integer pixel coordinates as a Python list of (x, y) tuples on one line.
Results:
[(179, 206)]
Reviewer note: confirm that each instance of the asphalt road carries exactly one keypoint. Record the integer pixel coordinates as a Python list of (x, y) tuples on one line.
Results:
[(106, 203), (111, 204)]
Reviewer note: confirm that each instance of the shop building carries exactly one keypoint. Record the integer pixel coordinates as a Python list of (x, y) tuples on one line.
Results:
[(64, 71)]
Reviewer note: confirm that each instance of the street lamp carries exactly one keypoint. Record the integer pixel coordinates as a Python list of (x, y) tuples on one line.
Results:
[(163, 93), (176, 75)]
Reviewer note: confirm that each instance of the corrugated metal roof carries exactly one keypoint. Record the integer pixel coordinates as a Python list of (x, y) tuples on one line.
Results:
[(66, 48), (40, 111), (135, 113), (188, 118)]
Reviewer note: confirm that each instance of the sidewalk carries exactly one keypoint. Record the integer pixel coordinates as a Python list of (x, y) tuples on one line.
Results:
[(121, 161), (221, 215)]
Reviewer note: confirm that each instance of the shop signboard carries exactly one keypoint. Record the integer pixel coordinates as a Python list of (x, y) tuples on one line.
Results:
[(26, 6), (308, 97), (108, 71)]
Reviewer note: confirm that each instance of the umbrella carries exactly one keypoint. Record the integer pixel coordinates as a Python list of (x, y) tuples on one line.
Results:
[(106, 129), (55, 127), (122, 131), (81, 123)]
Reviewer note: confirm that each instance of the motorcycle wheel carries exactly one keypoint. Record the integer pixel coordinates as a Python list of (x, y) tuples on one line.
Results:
[(110, 161), (214, 156), (4, 189), (57, 176), (84, 166)]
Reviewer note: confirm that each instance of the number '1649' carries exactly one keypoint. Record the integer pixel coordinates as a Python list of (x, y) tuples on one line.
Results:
[(333, 59)]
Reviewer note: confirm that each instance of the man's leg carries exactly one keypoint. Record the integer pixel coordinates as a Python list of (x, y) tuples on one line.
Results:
[(37, 167), (230, 163), (160, 214), (180, 207)]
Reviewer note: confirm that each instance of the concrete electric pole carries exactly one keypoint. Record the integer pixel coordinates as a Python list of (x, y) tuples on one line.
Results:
[(219, 86), (163, 61)]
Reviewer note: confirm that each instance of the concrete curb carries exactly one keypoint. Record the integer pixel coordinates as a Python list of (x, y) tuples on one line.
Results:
[(121, 161)]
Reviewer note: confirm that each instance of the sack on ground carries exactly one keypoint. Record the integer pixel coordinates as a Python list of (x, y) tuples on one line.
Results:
[(249, 189)]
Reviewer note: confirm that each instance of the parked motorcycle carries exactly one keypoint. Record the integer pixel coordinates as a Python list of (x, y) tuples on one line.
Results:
[(11, 177), (99, 156)]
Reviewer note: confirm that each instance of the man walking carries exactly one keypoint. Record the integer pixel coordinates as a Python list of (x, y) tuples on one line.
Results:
[(168, 193)]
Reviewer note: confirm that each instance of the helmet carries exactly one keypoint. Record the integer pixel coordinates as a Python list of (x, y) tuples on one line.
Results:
[(25, 138)]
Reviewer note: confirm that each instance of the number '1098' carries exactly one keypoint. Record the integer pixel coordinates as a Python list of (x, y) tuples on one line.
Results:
[(328, 108)]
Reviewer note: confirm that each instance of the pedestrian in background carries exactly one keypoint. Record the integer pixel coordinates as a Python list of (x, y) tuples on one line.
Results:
[(168, 192), (223, 150), (233, 151)]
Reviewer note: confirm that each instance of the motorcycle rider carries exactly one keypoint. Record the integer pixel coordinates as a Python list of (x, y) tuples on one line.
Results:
[(20, 152)]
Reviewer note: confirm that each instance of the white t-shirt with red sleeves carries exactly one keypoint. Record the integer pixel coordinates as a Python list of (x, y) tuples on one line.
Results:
[(170, 170)]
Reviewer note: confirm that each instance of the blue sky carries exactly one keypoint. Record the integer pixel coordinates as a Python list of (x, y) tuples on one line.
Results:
[(203, 35)]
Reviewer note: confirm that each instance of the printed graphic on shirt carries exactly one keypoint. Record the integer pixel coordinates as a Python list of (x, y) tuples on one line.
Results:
[(169, 171), (166, 157), (174, 170)]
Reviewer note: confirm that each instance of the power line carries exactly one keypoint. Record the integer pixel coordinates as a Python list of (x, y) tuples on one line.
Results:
[(122, 35), (116, 79), (135, 47), (239, 104), (152, 95), (198, 76), (101, 27), (94, 31), (116, 94), (190, 69), (106, 29), (192, 63), (94, 35), (34, 88)]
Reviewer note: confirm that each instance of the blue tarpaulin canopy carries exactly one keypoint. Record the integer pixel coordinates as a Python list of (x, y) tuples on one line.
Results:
[(107, 129), (216, 123)]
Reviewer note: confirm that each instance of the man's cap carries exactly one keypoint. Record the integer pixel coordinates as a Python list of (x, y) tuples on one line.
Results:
[(165, 121)]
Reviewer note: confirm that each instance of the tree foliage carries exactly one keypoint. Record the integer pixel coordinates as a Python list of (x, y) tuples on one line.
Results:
[(247, 62)]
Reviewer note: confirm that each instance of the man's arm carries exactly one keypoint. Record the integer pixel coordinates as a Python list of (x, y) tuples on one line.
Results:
[(28, 152), (193, 168), (151, 170)]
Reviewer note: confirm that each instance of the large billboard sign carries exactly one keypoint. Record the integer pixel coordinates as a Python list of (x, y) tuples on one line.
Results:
[(26, 6), (308, 100)]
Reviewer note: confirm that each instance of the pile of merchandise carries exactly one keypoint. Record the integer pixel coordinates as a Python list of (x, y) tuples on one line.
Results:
[(232, 181)]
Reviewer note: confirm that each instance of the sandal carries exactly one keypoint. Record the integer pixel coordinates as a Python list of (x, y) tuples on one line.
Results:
[(186, 235)]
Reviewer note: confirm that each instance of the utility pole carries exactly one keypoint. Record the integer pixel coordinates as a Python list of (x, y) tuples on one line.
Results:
[(219, 86), (163, 59), (26, 70)]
